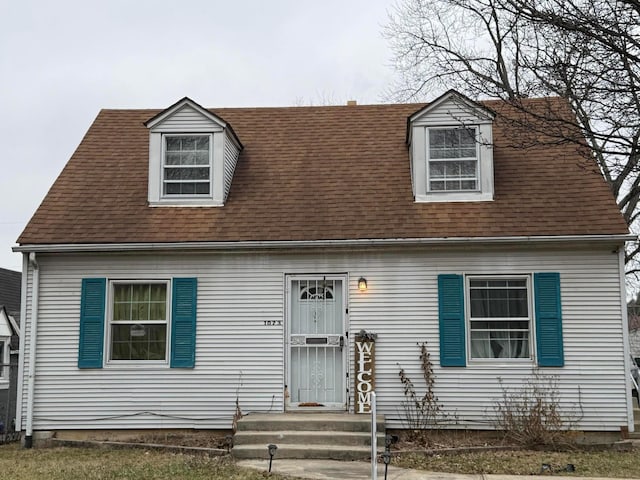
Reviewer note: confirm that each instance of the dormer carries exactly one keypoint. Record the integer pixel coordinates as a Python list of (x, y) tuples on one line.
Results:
[(192, 156), (451, 150)]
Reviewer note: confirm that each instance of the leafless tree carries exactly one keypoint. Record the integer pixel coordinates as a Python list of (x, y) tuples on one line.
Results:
[(586, 51)]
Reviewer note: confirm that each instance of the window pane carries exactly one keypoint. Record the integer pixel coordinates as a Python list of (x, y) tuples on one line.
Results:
[(201, 158), (187, 188), (202, 188), (173, 144), (133, 305), (140, 292), (202, 143), (448, 146), (172, 158), (467, 139), (468, 168), (188, 143), (505, 333), (138, 342), (452, 169), (498, 299), (452, 185), (171, 188), (198, 173), (436, 169), (452, 143), (186, 151)]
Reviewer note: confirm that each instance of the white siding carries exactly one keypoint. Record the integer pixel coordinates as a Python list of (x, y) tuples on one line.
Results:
[(236, 352), (451, 111), (187, 119), (231, 153)]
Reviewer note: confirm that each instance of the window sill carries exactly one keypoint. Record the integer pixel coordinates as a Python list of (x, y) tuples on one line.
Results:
[(501, 362), (139, 365), (454, 197), (191, 202)]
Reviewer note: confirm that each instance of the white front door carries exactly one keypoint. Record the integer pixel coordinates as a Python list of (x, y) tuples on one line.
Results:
[(317, 345)]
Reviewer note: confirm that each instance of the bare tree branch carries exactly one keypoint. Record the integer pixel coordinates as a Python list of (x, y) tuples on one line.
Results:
[(586, 51)]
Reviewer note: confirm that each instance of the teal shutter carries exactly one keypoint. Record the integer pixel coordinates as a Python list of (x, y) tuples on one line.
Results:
[(91, 343), (548, 319), (183, 323), (451, 317)]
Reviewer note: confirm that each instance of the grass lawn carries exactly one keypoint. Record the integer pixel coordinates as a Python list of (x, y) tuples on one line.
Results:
[(17, 463), (526, 462), (61, 463)]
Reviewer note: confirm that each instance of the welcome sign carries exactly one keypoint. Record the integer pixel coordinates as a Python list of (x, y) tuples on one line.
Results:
[(365, 354)]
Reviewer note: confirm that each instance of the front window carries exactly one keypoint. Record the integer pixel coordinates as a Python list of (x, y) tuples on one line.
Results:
[(187, 165), (139, 319), (499, 318), (452, 159)]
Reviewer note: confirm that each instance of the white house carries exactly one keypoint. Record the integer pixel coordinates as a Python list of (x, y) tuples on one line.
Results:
[(188, 258)]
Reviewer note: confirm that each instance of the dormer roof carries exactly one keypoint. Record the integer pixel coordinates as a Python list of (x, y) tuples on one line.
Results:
[(186, 103), (452, 96)]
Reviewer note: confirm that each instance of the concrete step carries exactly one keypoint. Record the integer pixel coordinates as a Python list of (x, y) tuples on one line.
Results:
[(293, 451), (297, 437), (331, 436), (309, 422)]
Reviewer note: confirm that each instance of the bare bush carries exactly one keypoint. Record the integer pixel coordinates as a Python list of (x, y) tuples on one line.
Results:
[(420, 412), (531, 415)]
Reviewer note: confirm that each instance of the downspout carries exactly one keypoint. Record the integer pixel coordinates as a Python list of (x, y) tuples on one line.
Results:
[(33, 337), (625, 340), (22, 348)]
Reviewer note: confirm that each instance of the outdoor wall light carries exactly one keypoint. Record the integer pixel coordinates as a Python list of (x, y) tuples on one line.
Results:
[(362, 284), (272, 451)]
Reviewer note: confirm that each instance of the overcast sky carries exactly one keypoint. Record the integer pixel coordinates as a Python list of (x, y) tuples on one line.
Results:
[(62, 61)]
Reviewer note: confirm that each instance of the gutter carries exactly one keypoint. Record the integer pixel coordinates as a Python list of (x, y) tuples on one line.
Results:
[(278, 244), (33, 340)]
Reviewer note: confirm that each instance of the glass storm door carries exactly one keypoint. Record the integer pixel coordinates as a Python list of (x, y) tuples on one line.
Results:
[(316, 343)]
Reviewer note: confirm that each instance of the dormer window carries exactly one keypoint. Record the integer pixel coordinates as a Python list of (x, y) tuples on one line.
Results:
[(187, 165), (451, 151), (192, 157), (453, 159)]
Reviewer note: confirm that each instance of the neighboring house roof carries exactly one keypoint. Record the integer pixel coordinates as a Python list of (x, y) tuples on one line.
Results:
[(317, 173), (10, 286)]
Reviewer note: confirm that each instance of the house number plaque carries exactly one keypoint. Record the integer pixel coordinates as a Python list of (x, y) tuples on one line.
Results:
[(272, 323), (365, 352)]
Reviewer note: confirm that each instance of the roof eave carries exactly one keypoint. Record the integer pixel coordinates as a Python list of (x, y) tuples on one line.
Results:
[(244, 245)]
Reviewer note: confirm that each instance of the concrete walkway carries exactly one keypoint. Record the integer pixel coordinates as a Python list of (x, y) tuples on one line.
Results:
[(335, 470)]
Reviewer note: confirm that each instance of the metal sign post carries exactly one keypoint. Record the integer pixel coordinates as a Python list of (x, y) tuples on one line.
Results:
[(374, 443)]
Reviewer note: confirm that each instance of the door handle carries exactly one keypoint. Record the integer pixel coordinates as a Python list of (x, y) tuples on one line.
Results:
[(341, 342)]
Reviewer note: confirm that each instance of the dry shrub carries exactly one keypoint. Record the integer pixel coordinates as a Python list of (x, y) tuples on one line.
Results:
[(531, 415), (420, 412)]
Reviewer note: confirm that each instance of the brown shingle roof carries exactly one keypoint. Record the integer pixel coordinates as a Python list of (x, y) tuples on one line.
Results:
[(315, 173)]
